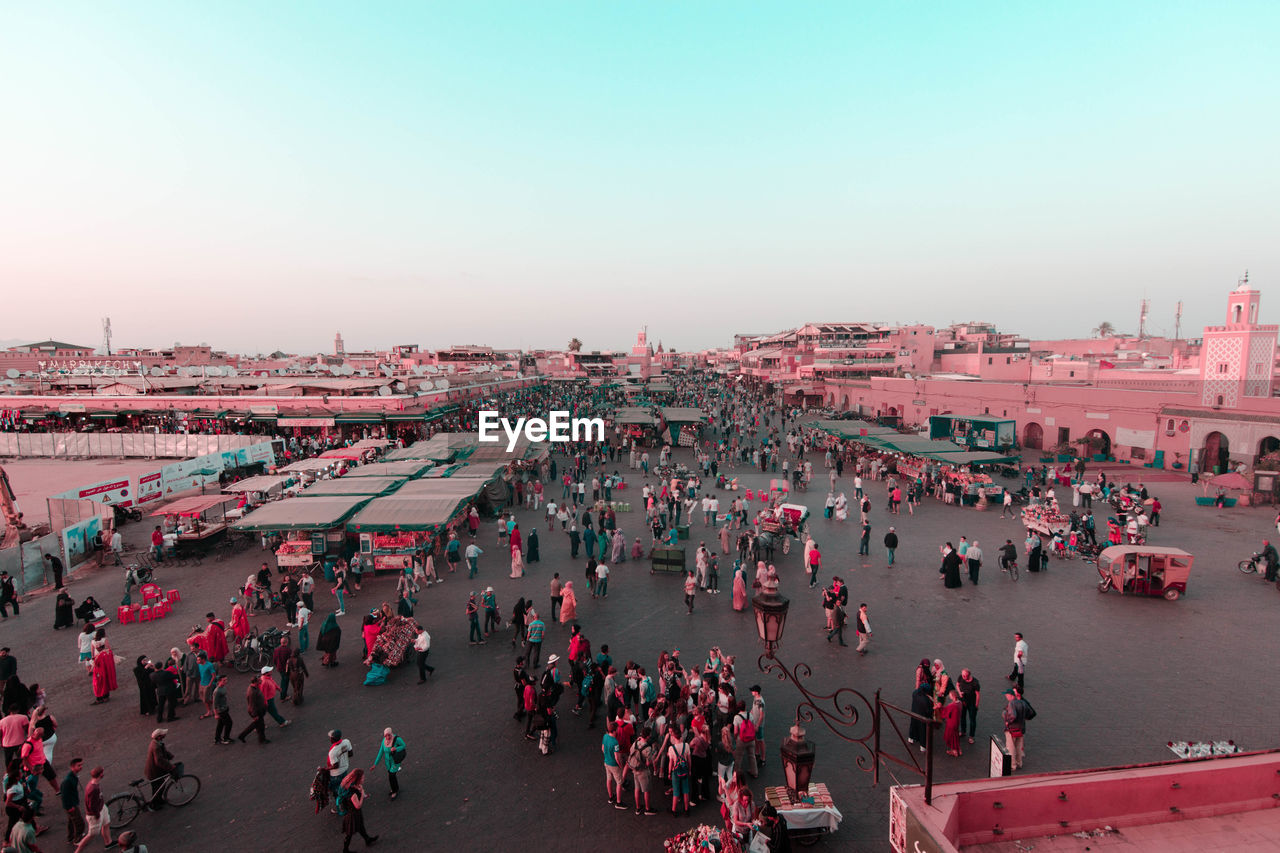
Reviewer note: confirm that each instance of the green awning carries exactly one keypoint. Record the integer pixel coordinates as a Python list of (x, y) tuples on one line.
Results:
[(358, 418), (207, 414), (108, 416), (263, 417), (407, 415)]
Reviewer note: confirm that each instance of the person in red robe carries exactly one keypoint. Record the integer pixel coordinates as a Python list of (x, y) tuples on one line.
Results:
[(104, 668), (215, 639), (950, 716), (239, 621)]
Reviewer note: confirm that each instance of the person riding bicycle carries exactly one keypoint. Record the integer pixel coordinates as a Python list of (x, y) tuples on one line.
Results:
[(1270, 559), (160, 765), (1008, 555)]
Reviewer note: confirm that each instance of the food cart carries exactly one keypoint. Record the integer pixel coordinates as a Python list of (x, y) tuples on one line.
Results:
[(370, 487), (319, 523), (393, 529), (195, 521), (1046, 520), (252, 492)]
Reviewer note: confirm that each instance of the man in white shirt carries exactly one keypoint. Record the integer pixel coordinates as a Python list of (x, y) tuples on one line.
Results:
[(422, 645), (340, 750), (306, 589), (602, 581), (117, 545), (1019, 660), (303, 620), (706, 510)]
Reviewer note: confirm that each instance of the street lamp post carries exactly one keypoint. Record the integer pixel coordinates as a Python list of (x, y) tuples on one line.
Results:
[(842, 712)]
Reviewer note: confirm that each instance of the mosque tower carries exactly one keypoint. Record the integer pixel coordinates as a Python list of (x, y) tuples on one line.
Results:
[(1237, 360)]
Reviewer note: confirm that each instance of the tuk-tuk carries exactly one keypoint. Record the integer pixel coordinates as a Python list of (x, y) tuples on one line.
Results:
[(1144, 570)]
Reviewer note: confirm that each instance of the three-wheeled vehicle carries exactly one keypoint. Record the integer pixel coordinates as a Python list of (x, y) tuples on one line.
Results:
[(1144, 570)]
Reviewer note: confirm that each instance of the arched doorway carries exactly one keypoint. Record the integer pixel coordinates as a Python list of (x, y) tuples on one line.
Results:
[(844, 403), (1216, 455), (1099, 441), (1270, 444), (1033, 436)]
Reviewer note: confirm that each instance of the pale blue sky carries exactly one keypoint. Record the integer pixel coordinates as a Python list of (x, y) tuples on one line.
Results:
[(262, 175)]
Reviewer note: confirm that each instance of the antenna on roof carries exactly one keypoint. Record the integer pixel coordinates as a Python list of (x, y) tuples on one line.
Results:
[(1177, 323), (106, 332)]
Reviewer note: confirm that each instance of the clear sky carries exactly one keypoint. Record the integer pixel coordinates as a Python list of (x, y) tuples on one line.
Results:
[(261, 175)]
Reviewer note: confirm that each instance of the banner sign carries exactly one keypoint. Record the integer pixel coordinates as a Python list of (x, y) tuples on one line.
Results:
[(150, 487)]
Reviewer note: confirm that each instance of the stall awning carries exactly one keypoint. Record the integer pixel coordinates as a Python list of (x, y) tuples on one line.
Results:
[(351, 454), (485, 471), (677, 415), (191, 506), (625, 415), (299, 514), (975, 457), (208, 414), (358, 418), (421, 513), (265, 483), (311, 465), (410, 468), (108, 416), (407, 415), (264, 417), (371, 486)]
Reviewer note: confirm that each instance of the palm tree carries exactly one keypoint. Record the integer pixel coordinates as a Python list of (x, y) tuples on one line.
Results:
[(1104, 330), (575, 345)]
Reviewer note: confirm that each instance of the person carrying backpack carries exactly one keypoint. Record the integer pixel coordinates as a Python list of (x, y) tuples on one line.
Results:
[(391, 753), (680, 759)]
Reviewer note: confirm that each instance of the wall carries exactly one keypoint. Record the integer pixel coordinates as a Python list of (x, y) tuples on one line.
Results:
[(147, 445)]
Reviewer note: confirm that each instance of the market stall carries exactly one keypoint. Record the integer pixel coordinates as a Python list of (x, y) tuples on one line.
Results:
[(683, 426), (367, 486), (409, 469), (195, 519), (320, 522), (310, 470), (1046, 519), (392, 529), (637, 423), (350, 454), (252, 492)]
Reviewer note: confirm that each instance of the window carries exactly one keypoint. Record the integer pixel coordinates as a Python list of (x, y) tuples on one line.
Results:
[(1222, 368), (990, 360), (1072, 374), (1219, 400)]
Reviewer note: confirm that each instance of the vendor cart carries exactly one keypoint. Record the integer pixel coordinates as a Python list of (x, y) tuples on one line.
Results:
[(394, 640), (1045, 521), (808, 817), (295, 554)]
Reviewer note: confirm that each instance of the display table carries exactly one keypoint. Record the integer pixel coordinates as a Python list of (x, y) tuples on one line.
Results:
[(816, 818)]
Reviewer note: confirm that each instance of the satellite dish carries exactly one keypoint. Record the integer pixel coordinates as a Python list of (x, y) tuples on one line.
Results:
[(347, 370), (12, 374), (426, 385), (364, 372), (442, 384), (386, 370), (155, 371), (384, 391), (400, 386)]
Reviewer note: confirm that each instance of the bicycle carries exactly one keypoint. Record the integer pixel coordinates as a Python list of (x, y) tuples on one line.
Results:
[(256, 650), (1252, 565), (1011, 567), (125, 807)]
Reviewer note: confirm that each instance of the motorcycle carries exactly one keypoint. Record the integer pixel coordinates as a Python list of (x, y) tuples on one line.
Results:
[(125, 514)]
